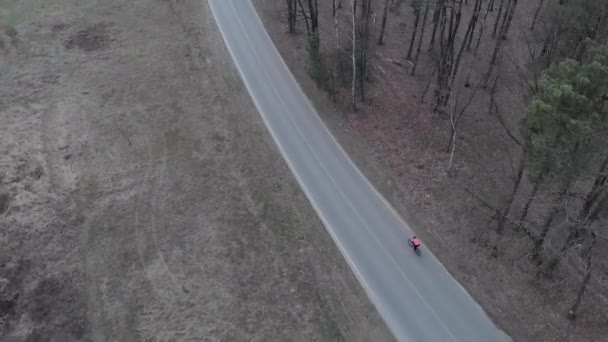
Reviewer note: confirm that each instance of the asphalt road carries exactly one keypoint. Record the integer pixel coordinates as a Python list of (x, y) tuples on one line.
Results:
[(416, 296)]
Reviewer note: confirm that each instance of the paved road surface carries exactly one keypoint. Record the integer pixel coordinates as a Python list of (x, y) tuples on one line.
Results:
[(416, 296)]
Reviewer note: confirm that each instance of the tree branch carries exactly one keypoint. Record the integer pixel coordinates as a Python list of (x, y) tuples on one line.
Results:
[(481, 200), (502, 123)]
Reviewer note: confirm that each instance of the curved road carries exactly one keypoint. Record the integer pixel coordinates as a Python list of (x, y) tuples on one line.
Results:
[(416, 296)]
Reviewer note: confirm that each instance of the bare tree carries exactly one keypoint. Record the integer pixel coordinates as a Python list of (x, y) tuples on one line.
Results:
[(450, 17), (473, 22), (292, 13), (503, 216), (588, 212), (354, 52), (364, 44), (468, 35), (439, 5), (491, 5), (500, 7), (483, 25), (416, 4), (531, 197), (586, 279), (508, 18), (424, 18), (456, 114), (510, 10), (311, 17), (556, 207), (305, 16), (536, 13), (383, 25)]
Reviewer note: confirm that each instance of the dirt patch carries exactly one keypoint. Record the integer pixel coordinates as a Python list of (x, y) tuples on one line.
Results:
[(95, 37), (148, 201), (59, 27), (7, 307), (55, 302), (4, 202), (11, 282)]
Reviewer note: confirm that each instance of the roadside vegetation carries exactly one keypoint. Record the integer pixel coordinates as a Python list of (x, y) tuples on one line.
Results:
[(141, 196), (502, 108)]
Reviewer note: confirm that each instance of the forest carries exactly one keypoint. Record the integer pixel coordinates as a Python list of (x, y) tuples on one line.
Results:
[(517, 95)]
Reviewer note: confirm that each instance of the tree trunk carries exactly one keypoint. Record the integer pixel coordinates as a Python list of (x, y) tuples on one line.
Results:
[(505, 213), (354, 58), (505, 17), (443, 68), (414, 32), (585, 215), (481, 29), (313, 7), (292, 12), (555, 209), (574, 235), (474, 20), (364, 35), (584, 283), (581, 292), (436, 16), (333, 86), (446, 64), (598, 24), (504, 30), (424, 18), (305, 17), (428, 85), (536, 13), (383, 25), (341, 72), (498, 18), (469, 33), (454, 65), (531, 198), (601, 181), (455, 23), (503, 33)]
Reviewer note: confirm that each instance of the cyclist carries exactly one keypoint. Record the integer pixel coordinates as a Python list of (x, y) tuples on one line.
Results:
[(415, 242)]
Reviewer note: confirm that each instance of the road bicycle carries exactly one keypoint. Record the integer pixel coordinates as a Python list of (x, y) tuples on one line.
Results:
[(416, 250)]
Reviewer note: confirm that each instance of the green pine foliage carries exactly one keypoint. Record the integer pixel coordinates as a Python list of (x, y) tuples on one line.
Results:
[(568, 112)]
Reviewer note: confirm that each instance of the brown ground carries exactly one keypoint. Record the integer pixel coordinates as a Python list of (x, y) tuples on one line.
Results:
[(400, 145), (141, 197)]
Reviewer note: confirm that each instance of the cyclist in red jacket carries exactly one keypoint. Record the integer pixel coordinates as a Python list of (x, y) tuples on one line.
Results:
[(415, 243)]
